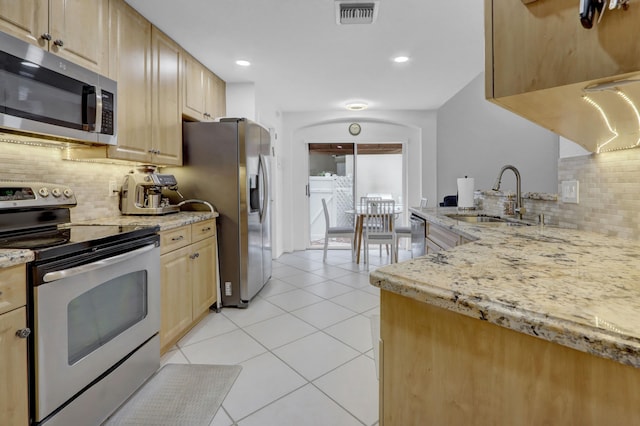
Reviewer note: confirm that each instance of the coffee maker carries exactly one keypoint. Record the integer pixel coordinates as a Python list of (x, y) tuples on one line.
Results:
[(141, 193)]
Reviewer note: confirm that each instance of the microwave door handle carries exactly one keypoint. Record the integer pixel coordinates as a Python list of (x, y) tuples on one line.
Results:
[(98, 117), (82, 269)]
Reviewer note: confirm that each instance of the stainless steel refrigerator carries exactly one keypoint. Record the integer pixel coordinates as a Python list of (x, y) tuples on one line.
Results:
[(227, 163)]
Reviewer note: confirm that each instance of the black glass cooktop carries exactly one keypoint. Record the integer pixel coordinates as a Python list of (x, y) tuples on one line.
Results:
[(67, 239)]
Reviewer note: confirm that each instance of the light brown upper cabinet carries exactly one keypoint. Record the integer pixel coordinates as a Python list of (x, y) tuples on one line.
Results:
[(204, 95), (146, 65), (543, 65), (165, 100), (130, 66), (75, 30)]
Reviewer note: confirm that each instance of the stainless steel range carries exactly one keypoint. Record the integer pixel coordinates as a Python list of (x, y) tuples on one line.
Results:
[(94, 300)]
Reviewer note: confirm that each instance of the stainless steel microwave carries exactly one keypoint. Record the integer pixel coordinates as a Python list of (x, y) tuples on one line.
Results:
[(43, 94)]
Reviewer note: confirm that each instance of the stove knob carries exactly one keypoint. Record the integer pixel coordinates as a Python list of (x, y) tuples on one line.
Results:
[(56, 192), (44, 192), (68, 193)]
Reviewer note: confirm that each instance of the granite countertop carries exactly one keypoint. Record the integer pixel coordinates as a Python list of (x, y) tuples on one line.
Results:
[(166, 222), (11, 257), (574, 288)]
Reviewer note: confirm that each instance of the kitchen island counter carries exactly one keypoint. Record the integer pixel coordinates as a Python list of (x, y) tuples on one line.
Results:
[(575, 288), (523, 325)]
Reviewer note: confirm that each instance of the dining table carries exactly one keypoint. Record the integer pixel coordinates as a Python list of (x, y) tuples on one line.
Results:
[(360, 214)]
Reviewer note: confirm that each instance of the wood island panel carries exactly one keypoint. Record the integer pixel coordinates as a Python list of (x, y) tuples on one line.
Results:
[(441, 367)]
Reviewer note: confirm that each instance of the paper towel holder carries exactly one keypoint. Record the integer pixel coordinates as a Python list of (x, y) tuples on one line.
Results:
[(472, 207)]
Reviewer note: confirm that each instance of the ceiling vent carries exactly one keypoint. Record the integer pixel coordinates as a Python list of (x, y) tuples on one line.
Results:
[(350, 12)]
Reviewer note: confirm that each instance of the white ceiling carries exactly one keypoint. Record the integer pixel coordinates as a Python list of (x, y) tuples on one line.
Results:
[(303, 61)]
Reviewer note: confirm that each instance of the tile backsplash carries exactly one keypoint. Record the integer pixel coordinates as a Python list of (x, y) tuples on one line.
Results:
[(609, 195), (90, 181), (609, 192)]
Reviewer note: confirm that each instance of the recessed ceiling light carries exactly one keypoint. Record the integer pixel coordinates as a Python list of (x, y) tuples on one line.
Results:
[(400, 59), (357, 106), (243, 63)]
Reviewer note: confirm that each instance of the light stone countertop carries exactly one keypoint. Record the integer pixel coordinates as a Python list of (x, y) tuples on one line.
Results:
[(166, 222), (11, 257), (574, 288)]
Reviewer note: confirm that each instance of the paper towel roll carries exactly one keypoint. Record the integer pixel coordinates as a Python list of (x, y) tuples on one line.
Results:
[(465, 192)]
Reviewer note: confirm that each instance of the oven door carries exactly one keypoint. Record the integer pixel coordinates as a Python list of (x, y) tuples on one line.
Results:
[(88, 318)]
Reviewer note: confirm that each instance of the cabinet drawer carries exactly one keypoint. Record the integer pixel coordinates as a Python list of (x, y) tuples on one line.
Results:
[(202, 230), (431, 246), (13, 288), (442, 237), (175, 239)]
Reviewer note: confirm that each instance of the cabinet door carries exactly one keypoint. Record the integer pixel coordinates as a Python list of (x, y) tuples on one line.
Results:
[(13, 369), (203, 275), (130, 66), (80, 32), (194, 84), (165, 100), (176, 295), (25, 19), (215, 97)]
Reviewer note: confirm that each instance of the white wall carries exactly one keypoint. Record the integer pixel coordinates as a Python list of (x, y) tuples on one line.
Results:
[(476, 138), (415, 128), (569, 148), (241, 100)]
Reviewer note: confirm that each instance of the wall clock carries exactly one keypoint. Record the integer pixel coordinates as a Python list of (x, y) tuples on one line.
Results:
[(354, 129)]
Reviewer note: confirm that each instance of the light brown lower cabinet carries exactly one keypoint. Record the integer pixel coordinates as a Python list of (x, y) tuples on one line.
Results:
[(188, 279), (14, 397), (438, 367), (439, 238)]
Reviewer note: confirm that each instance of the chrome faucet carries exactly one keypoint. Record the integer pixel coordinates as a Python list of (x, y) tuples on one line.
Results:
[(496, 187)]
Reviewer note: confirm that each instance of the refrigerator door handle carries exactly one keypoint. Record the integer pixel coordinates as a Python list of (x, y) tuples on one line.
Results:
[(262, 167)]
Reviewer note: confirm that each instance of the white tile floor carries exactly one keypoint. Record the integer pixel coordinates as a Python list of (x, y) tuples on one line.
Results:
[(304, 344)]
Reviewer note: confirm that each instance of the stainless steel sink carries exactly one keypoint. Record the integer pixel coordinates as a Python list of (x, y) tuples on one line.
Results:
[(475, 218)]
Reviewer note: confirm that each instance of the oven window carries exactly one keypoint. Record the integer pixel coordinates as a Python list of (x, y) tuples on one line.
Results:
[(99, 315)]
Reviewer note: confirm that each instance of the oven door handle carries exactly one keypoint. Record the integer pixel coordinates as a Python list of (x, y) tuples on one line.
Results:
[(65, 273)]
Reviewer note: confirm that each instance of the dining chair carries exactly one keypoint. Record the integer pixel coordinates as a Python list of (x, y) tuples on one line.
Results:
[(336, 232), (378, 227)]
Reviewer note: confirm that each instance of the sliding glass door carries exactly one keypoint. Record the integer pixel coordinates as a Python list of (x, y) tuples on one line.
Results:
[(341, 173)]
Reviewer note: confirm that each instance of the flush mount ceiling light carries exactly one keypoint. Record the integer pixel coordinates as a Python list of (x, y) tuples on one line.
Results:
[(357, 106), (400, 59), (243, 63)]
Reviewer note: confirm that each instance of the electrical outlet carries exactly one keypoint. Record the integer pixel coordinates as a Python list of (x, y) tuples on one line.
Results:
[(570, 191), (113, 188), (227, 288)]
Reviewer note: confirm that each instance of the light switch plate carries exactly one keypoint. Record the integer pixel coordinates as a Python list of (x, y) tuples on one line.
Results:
[(570, 190)]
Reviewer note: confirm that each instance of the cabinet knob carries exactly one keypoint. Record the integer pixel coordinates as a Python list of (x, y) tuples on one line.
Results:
[(46, 36), (58, 43), (178, 238), (195, 255), (207, 229), (23, 333)]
